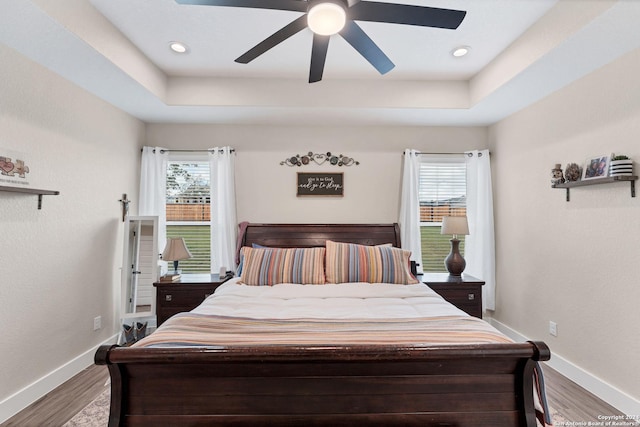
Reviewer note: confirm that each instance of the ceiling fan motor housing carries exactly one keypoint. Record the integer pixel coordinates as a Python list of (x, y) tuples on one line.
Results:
[(342, 3)]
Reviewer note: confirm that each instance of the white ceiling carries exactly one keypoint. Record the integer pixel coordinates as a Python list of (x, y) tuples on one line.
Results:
[(218, 35), (521, 51)]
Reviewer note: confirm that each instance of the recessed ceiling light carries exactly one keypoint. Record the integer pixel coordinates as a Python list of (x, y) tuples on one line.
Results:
[(460, 51), (178, 47)]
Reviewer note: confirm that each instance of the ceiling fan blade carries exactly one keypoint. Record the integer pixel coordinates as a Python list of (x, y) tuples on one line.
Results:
[(357, 38), (294, 5), (318, 56), (273, 40), (406, 14)]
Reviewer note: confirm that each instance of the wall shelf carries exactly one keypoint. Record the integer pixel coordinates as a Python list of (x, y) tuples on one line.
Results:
[(36, 191), (597, 181)]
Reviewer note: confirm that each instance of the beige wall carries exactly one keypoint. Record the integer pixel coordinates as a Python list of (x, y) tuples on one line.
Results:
[(575, 263), (266, 191), (60, 264)]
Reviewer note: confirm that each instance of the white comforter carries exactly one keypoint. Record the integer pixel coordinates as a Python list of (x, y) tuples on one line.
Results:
[(329, 301)]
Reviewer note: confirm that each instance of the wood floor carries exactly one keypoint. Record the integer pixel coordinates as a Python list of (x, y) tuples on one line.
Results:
[(570, 400), (60, 405)]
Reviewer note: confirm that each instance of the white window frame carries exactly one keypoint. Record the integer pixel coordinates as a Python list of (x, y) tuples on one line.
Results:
[(457, 159), (177, 157)]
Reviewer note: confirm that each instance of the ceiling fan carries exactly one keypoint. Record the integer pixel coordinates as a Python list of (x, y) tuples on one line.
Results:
[(328, 17)]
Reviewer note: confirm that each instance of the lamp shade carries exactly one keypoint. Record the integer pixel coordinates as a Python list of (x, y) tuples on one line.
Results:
[(176, 250), (454, 225)]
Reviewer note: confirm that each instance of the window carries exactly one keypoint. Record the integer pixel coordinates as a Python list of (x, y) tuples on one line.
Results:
[(188, 211), (443, 190)]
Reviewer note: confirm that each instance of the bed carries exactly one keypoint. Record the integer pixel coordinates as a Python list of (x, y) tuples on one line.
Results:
[(307, 355)]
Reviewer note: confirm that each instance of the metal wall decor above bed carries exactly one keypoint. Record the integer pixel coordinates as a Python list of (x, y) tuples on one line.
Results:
[(319, 159)]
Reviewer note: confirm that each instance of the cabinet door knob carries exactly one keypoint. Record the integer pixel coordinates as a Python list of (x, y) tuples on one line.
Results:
[(471, 297), (168, 297)]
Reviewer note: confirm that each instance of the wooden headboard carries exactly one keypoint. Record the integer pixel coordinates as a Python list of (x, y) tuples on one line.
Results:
[(313, 235)]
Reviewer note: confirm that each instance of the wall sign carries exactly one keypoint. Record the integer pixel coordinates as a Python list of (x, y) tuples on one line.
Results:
[(320, 184)]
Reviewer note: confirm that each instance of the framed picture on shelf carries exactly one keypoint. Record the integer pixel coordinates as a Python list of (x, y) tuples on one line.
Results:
[(15, 169), (596, 167)]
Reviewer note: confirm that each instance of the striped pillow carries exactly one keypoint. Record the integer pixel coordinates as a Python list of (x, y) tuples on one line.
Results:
[(270, 266), (348, 262)]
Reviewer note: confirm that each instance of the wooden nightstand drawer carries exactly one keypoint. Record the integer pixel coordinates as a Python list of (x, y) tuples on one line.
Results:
[(164, 314), (181, 297), (474, 310), (184, 295), (460, 296), (464, 292)]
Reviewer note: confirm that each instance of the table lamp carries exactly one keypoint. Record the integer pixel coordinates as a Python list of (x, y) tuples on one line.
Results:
[(175, 251), (455, 225)]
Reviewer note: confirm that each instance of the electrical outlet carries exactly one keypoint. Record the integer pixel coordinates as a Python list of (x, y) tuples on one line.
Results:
[(97, 323), (553, 328)]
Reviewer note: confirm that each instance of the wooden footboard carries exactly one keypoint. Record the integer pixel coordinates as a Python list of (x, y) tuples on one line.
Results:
[(456, 385)]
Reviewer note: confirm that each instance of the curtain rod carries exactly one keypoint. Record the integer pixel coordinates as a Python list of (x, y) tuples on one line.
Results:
[(164, 150), (448, 154)]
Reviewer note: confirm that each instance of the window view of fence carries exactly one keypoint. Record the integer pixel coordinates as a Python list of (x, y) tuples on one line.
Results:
[(189, 212), (443, 188)]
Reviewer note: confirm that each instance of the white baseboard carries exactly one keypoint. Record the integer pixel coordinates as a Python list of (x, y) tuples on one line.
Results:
[(614, 397), (25, 397)]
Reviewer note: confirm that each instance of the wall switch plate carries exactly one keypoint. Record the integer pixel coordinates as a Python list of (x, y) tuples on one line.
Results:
[(553, 328), (97, 323)]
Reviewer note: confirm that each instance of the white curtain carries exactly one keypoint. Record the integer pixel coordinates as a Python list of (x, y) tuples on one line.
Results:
[(479, 246), (224, 224), (153, 189), (410, 207)]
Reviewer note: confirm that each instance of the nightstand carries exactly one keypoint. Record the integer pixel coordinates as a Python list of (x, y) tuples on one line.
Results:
[(465, 292), (184, 294)]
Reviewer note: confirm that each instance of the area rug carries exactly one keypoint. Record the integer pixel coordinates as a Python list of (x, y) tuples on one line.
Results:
[(96, 414)]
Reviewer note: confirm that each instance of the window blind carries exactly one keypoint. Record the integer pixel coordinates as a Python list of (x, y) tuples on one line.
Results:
[(442, 192), (188, 211)]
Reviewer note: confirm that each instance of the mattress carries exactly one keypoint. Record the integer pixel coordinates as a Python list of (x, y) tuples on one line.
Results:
[(328, 301), (330, 314)]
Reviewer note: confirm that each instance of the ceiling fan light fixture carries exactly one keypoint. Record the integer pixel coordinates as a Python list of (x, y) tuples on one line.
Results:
[(460, 51), (326, 18)]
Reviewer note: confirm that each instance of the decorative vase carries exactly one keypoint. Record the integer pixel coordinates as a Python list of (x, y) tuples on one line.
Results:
[(621, 167), (454, 262), (572, 172)]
